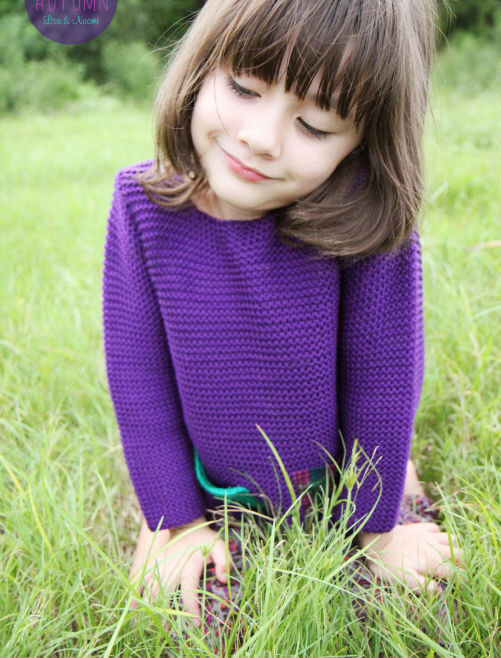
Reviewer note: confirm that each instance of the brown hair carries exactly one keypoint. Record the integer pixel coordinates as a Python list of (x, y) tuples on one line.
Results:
[(370, 202)]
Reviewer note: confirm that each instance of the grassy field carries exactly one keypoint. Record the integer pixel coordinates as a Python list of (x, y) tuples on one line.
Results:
[(68, 514)]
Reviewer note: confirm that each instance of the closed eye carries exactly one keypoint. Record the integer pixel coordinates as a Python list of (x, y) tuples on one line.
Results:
[(238, 89), (314, 132)]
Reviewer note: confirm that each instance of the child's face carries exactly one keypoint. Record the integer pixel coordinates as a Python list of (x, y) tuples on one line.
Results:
[(294, 146)]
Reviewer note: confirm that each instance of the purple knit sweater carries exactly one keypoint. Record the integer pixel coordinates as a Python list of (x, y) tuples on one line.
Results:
[(212, 327)]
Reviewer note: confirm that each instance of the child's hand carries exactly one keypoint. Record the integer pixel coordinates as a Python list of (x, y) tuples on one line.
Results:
[(175, 557), (411, 553)]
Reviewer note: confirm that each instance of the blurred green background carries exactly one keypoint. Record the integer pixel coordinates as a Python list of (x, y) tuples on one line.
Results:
[(126, 60)]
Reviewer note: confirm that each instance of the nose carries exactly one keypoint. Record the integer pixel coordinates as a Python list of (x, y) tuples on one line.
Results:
[(262, 133)]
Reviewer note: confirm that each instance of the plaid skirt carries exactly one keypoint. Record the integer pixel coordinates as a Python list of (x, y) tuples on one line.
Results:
[(220, 601)]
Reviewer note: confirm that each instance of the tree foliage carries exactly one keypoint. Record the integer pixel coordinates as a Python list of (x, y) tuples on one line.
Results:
[(477, 16), (137, 28)]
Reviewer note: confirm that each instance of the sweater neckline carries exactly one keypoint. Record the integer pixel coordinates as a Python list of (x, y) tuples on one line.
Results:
[(264, 219)]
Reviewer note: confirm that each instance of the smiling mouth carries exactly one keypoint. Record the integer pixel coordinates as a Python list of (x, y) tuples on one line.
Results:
[(244, 172)]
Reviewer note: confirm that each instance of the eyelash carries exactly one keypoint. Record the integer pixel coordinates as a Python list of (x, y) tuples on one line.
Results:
[(247, 93)]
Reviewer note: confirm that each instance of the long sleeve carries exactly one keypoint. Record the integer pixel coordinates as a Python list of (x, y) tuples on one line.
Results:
[(381, 363), (141, 378)]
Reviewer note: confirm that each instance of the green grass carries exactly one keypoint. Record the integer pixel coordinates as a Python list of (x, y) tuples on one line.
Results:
[(68, 515)]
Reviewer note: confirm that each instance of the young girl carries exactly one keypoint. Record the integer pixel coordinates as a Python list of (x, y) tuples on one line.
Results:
[(263, 277)]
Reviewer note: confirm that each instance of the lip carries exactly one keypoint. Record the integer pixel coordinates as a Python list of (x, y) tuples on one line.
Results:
[(242, 170)]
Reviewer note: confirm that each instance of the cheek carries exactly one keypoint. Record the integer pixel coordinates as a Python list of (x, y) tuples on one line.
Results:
[(205, 117), (322, 162), (197, 121), (314, 169)]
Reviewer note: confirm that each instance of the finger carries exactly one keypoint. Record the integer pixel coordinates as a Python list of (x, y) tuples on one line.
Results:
[(189, 585), (134, 579), (444, 538), (434, 563), (442, 570), (134, 602), (441, 548), (218, 556), (438, 564), (456, 556), (426, 584), (171, 571), (451, 549), (152, 590), (430, 526)]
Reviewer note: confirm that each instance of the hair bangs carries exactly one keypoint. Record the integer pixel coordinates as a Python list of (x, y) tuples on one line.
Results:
[(296, 36)]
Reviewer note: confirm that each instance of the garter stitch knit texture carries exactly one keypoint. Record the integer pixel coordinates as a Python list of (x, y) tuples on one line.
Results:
[(212, 327)]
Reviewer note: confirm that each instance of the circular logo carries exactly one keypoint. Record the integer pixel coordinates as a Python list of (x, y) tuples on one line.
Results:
[(71, 21)]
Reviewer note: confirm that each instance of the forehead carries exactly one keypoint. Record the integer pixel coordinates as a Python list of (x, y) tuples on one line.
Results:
[(326, 78)]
